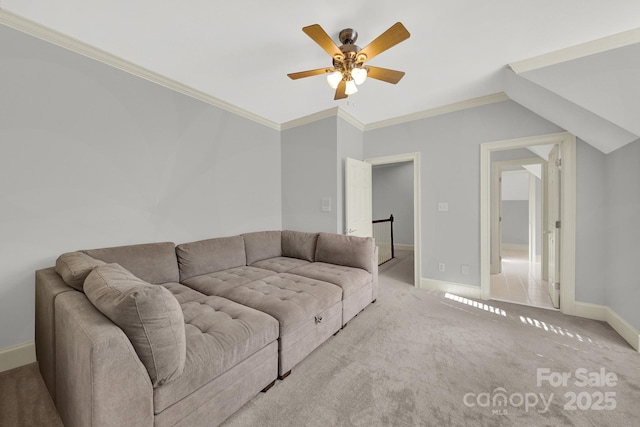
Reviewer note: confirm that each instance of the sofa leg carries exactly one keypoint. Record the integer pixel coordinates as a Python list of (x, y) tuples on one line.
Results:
[(374, 301), (285, 375), (337, 332), (345, 325), (266, 389)]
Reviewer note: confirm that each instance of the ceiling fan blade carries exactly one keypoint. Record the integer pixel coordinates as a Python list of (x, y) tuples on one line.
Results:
[(320, 36), (384, 74), (301, 74), (340, 91), (394, 35)]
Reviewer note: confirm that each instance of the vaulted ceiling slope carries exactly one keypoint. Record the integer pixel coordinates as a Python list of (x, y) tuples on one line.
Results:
[(574, 62), (592, 89)]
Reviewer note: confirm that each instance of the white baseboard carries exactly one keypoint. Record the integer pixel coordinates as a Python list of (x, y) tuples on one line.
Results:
[(591, 311), (467, 291), (402, 247), (605, 313), (18, 355)]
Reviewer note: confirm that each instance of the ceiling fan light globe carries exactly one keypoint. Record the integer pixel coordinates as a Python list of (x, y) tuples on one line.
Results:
[(359, 75), (334, 79), (351, 87)]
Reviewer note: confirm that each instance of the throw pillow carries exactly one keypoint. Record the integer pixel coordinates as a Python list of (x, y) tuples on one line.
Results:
[(148, 314)]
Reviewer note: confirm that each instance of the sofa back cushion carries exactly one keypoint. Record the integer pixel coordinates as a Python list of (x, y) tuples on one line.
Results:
[(152, 262), (74, 267), (262, 245), (351, 251), (209, 256), (298, 244), (148, 314)]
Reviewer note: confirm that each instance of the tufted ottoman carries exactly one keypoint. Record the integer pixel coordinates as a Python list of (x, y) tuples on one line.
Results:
[(309, 311)]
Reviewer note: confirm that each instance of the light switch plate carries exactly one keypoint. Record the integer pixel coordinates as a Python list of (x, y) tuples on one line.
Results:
[(326, 204), (443, 206)]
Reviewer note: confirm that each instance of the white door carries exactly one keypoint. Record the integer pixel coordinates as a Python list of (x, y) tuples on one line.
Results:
[(553, 224), (358, 207), (496, 219)]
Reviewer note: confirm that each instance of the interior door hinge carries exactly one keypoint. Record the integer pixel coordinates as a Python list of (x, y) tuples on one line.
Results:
[(557, 224), (557, 286), (559, 162)]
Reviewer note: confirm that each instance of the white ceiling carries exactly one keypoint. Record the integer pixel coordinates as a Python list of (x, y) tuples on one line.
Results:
[(241, 51)]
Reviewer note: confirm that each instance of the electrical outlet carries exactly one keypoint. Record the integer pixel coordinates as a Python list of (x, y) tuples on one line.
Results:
[(441, 268), (464, 269)]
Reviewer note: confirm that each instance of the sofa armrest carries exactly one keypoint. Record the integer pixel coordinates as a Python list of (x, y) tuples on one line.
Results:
[(100, 381), (48, 286)]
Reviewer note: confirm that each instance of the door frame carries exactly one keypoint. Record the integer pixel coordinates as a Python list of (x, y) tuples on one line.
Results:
[(567, 143), (415, 158)]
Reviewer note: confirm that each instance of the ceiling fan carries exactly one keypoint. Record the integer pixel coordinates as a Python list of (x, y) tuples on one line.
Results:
[(348, 69)]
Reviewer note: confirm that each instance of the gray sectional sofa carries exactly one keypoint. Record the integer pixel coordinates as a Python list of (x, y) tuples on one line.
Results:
[(162, 335)]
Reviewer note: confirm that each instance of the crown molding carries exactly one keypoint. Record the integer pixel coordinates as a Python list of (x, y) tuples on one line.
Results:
[(578, 51), (445, 109), (351, 120), (34, 29), (320, 115)]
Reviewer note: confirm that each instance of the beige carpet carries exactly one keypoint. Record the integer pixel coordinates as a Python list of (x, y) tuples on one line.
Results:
[(24, 399), (419, 358)]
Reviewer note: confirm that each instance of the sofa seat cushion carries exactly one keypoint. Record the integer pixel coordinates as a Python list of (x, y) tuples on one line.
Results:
[(219, 335), (182, 293), (148, 314), (280, 264), (289, 298), (221, 281), (350, 279)]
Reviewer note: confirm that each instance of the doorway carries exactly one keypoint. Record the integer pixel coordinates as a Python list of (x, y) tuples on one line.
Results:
[(567, 213), (517, 238), (413, 158)]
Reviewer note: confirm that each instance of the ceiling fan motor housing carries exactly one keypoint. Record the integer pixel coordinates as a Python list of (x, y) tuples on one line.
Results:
[(348, 36)]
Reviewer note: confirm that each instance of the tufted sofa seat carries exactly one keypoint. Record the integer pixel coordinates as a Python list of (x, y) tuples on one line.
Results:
[(220, 335), (250, 307)]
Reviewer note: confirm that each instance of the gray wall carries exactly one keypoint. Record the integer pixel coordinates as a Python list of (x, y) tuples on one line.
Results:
[(515, 222), (591, 217), (91, 156), (623, 231), (313, 164), (309, 173), (450, 169), (393, 194)]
